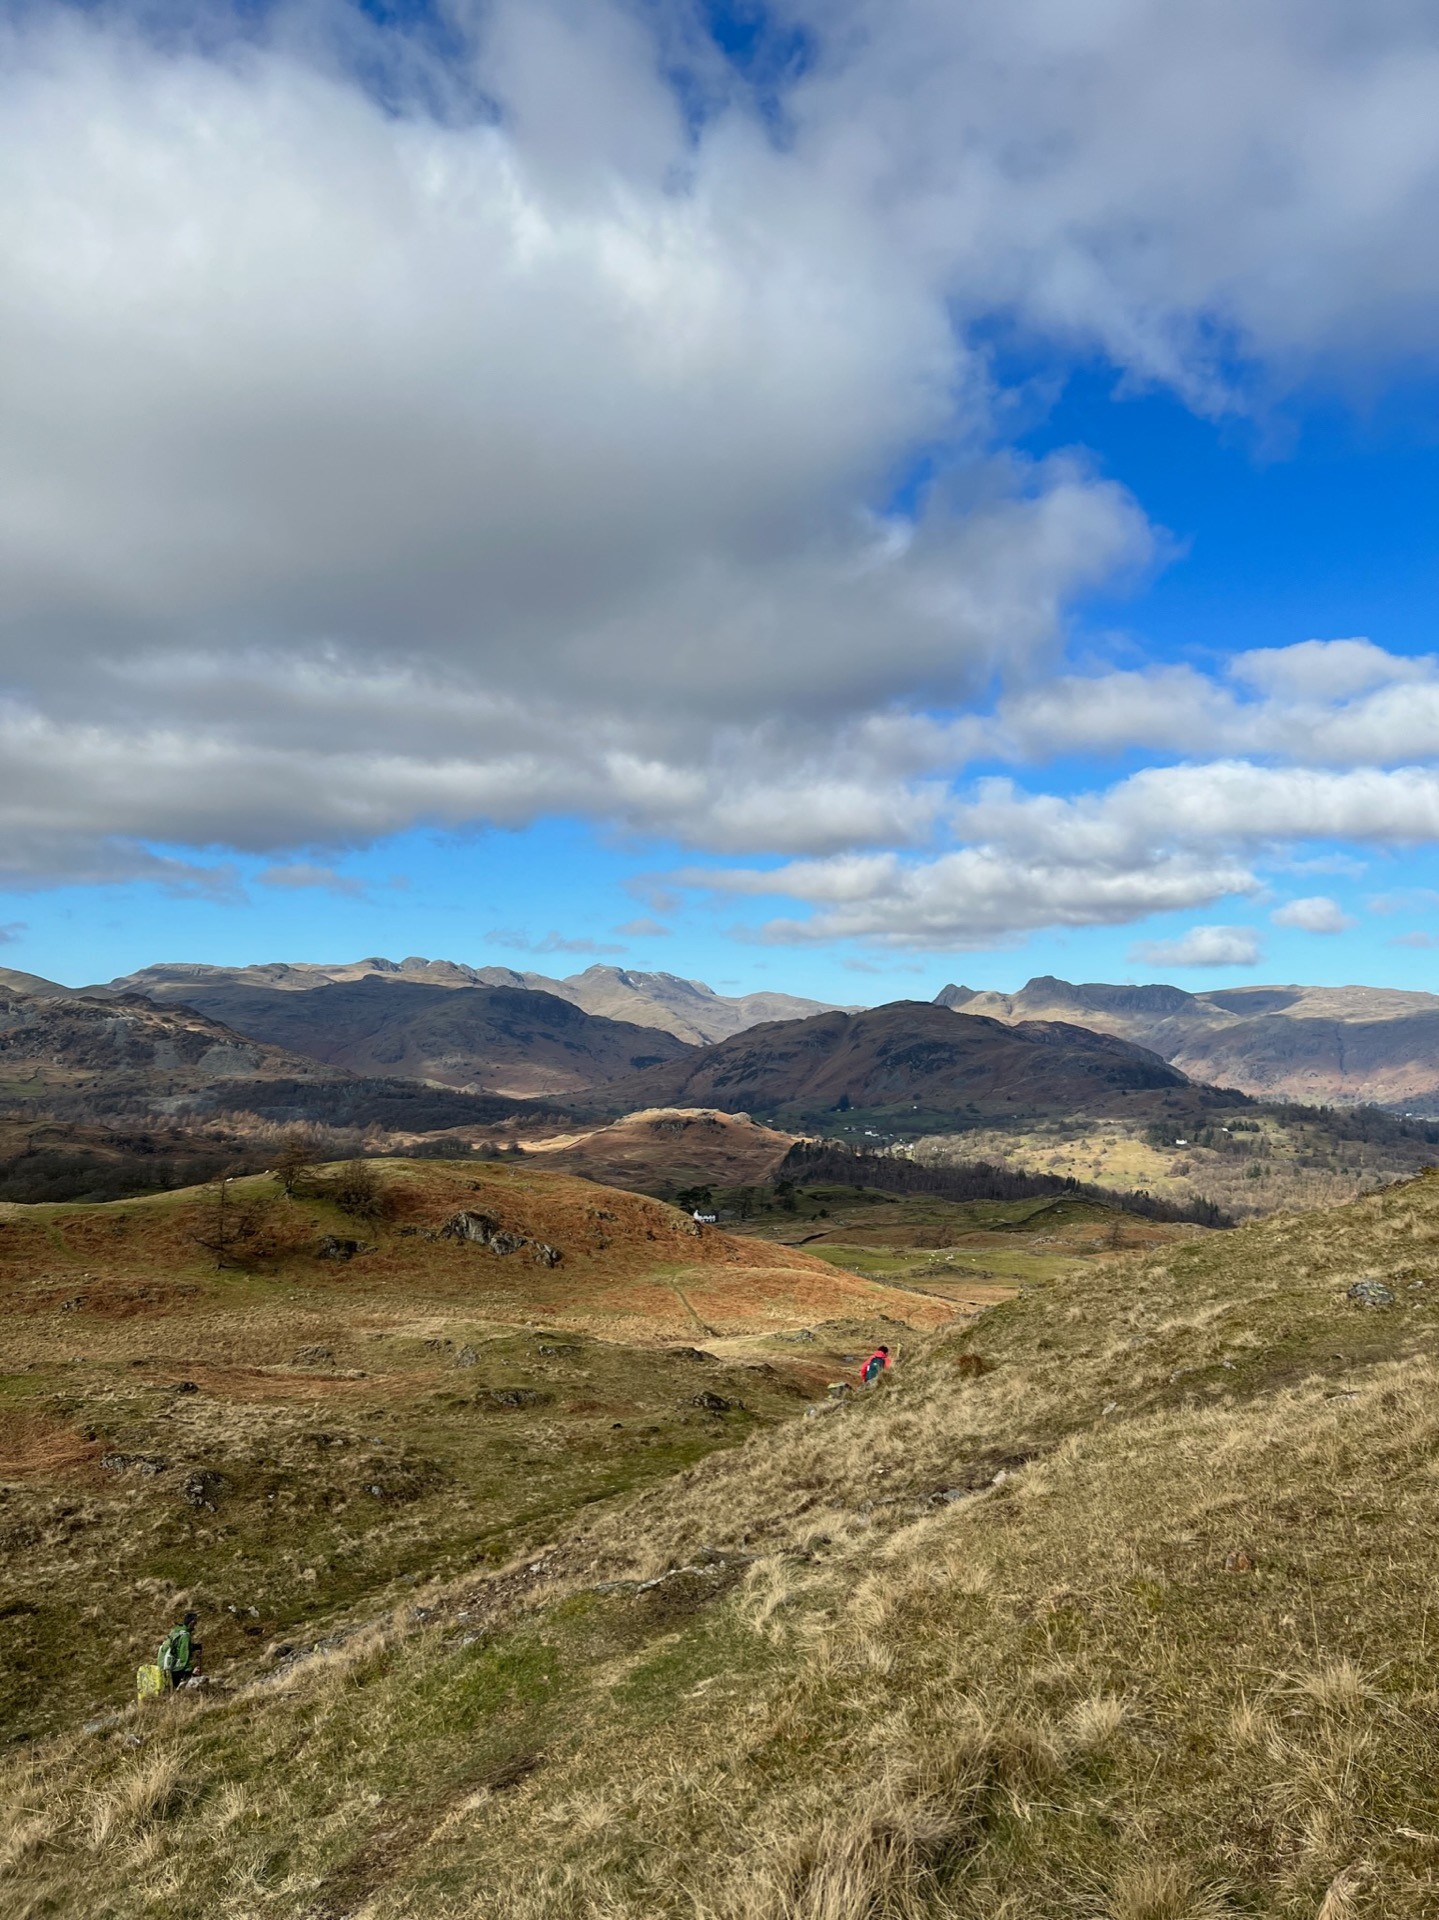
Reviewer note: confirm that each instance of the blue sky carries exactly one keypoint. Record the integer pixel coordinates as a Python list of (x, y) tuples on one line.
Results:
[(830, 499)]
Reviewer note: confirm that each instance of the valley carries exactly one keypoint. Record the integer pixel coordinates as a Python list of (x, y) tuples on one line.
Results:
[(1318, 1045)]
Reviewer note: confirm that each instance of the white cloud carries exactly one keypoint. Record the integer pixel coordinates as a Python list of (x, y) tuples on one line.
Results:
[(1201, 947), (1317, 914), (1318, 703), (1165, 839), (978, 897), (370, 463)]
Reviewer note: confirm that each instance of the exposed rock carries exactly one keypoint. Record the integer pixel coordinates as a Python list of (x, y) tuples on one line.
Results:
[(513, 1397), (689, 1353), (840, 1389), (466, 1357), (547, 1256), (331, 1247), (1370, 1293), (149, 1463), (713, 1402), (315, 1357), (481, 1231), (203, 1490)]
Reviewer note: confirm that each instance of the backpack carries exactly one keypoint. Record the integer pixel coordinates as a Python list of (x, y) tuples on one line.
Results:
[(174, 1655)]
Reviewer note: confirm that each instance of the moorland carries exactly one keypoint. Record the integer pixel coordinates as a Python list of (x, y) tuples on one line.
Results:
[(1113, 1599)]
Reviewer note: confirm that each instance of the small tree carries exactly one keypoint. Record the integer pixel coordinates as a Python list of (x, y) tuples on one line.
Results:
[(359, 1192), (298, 1160), (238, 1233)]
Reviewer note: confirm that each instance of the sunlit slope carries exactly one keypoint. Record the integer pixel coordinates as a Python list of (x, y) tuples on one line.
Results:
[(1117, 1605), (351, 1402)]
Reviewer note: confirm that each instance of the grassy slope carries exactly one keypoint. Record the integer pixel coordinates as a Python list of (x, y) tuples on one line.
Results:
[(285, 1444), (1176, 1662)]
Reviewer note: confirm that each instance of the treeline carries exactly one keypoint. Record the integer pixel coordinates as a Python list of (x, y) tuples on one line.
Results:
[(1374, 1125), (397, 1106), (831, 1161)]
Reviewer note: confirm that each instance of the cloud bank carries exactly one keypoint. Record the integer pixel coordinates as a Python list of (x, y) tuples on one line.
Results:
[(388, 439)]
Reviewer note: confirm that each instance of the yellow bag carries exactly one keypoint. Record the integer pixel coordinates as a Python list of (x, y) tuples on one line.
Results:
[(149, 1683)]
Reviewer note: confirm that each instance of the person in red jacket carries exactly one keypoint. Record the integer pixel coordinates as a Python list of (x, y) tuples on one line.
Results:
[(874, 1366)]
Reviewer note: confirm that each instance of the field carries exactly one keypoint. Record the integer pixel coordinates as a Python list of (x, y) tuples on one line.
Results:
[(1114, 1604)]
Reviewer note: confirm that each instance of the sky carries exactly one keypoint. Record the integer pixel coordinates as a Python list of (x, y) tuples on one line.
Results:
[(827, 497)]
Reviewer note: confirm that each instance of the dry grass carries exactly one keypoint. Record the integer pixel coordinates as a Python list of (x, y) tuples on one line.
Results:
[(1175, 1664)]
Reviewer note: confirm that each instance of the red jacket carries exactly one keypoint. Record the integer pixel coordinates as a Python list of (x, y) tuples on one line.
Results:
[(878, 1354)]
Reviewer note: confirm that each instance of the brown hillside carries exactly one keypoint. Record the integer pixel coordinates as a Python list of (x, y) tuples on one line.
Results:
[(914, 1056), (664, 1149), (349, 1405), (127, 1051), (476, 1039)]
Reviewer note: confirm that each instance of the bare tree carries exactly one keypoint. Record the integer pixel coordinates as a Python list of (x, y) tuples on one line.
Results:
[(299, 1157), (236, 1232)]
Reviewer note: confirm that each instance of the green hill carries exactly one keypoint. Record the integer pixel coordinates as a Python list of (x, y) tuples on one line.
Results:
[(1118, 1604)]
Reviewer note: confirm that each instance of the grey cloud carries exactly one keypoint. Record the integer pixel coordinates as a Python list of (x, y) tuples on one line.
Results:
[(365, 466), (550, 943), (302, 875)]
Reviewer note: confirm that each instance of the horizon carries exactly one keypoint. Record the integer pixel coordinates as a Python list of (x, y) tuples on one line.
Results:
[(851, 1005), (833, 501)]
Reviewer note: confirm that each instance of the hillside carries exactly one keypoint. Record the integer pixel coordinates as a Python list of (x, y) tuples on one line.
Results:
[(327, 1396), (1115, 1604), (500, 1040), (103, 1055), (666, 1149), (686, 1009), (910, 1062), (1320, 1045)]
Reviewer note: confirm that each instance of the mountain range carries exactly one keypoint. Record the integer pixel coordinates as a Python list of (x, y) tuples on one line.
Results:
[(656, 1039), (1322, 1045), (687, 1009), (507, 1040)]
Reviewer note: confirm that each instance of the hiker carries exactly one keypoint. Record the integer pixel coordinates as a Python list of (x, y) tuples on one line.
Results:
[(179, 1651), (874, 1366)]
